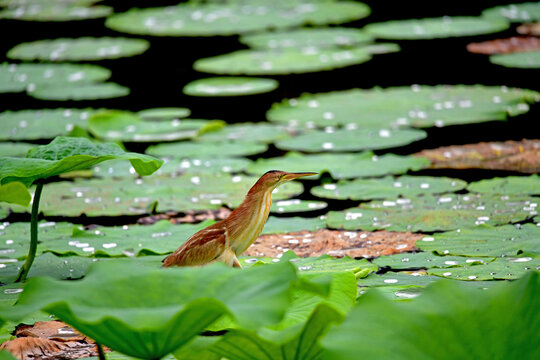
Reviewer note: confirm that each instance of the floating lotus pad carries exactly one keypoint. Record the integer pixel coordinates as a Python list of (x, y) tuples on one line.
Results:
[(127, 126), (418, 106), (341, 166), (230, 86), (80, 49), (297, 205), (309, 37), (157, 239), (15, 149), (398, 279), (13, 3), (436, 28), (79, 92), (286, 61), (41, 124), (351, 140), (432, 213), (517, 185), (159, 114), (276, 225), (207, 149), (69, 267), (501, 268), (388, 187), (256, 132), (527, 12), (55, 12), (428, 260), (231, 19), (175, 167), (525, 60), (104, 197), (22, 77), (485, 240)]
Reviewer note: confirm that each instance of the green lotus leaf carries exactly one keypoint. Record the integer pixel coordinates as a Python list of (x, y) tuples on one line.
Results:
[(501, 268), (201, 150), (15, 193), (281, 62), (517, 185), (398, 279), (114, 125), (69, 267), (485, 240), (23, 77), (527, 12), (389, 186), (106, 197), (327, 263), (276, 225), (164, 113), (428, 260), (15, 149), (436, 28), (351, 140), (136, 240), (6, 355), (297, 205), (257, 132), (149, 313), (475, 327), (175, 167), (41, 124), (230, 86), (341, 165), (524, 60), (418, 106), (80, 49), (308, 37), (231, 19), (55, 12), (80, 92), (432, 213), (65, 154)]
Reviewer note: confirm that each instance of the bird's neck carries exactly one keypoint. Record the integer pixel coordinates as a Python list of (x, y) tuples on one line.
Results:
[(245, 223)]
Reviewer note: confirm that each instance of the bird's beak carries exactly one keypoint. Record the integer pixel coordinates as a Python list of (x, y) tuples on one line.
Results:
[(292, 176)]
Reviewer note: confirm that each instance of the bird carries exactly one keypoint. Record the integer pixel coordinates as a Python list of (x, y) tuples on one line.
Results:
[(225, 240)]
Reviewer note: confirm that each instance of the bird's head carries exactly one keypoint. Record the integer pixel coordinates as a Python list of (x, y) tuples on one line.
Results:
[(274, 178)]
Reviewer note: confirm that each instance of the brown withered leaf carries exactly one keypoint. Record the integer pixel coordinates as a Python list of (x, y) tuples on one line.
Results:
[(50, 340), (529, 29), (505, 46), (188, 217), (521, 156), (335, 243)]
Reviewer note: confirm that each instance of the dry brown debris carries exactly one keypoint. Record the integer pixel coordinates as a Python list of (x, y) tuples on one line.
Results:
[(529, 29), (188, 217), (505, 46), (521, 156), (335, 242), (50, 340)]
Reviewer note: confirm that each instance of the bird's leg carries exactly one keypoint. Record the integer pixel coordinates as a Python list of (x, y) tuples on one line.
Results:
[(236, 263)]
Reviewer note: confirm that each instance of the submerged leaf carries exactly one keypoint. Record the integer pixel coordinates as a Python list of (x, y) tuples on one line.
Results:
[(521, 156)]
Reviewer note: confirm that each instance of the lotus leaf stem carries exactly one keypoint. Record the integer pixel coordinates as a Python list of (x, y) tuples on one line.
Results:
[(25, 269)]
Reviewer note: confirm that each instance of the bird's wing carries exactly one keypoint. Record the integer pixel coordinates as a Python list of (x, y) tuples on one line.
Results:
[(203, 247)]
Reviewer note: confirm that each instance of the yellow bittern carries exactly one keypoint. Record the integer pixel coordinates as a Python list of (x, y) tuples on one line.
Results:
[(228, 238)]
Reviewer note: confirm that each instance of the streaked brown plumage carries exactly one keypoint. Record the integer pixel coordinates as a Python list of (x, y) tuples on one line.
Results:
[(228, 238)]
